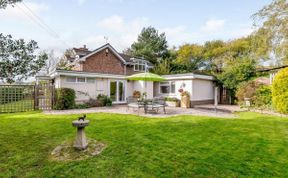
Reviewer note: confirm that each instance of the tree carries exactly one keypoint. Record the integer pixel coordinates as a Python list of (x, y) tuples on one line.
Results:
[(236, 72), (190, 57), (272, 34), (63, 62), (5, 3), (18, 60), (213, 54), (150, 44), (162, 68), (51, 63)]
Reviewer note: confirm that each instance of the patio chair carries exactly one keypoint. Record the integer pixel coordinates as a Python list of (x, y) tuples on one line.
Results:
[(134, 103), (158, 103)]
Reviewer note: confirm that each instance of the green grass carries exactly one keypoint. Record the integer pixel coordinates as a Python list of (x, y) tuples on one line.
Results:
[(17, 106), (252, 145)]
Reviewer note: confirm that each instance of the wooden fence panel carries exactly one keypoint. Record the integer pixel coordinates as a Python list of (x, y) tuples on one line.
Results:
[(19, 98), (16, 98)]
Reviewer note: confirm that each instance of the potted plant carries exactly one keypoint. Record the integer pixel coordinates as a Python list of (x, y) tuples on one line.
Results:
[(185, 98), (136, 94), (173, 102)]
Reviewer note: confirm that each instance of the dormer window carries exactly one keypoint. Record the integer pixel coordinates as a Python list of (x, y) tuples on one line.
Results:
[(140, 65)]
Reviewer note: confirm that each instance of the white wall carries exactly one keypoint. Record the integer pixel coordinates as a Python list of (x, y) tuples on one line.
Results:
[(142, 87), (100, 86), (129, 86), (202, 90), (185, 84), (198, 89)]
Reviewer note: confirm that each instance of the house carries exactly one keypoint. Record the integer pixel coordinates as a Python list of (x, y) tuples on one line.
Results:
[(104, 71), (272, 73)]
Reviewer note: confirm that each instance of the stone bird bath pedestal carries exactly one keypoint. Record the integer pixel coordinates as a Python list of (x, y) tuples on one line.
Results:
[(80, 142)]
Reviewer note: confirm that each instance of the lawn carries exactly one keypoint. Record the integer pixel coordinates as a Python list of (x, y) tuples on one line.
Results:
[(252, 145), (16, 106)]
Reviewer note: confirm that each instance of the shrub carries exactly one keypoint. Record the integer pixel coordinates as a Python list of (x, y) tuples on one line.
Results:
[(259, 94), (263, 97), (94, 103), (65, 98), (171, 99), (81, 106), (247, 90), (108, 101), (104, 100), (280, 91)]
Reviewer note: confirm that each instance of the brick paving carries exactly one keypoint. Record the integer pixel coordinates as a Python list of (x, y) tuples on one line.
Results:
[(226, 111)]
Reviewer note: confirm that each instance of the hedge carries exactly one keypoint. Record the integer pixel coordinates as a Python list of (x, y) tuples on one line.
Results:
[(65, 98), (280, 91)]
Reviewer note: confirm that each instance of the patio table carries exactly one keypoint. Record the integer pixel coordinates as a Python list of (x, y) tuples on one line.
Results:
[(150, 105)]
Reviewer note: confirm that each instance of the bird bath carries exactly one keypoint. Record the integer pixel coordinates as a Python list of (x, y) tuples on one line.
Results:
[(80, 142)]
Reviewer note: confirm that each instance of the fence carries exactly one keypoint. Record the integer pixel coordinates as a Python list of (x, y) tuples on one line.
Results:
[(18, 98)]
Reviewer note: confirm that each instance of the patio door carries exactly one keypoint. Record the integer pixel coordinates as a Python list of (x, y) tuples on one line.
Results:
[(117, 91)]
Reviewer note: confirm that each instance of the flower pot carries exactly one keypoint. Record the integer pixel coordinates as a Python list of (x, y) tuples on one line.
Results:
[(185, 101)]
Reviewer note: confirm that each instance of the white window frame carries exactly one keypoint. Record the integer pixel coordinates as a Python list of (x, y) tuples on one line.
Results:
[(66, 79), (117, 92), (82, 78), (141, 64), (94, 80), (76, 81), (169, 84), (171, 87)]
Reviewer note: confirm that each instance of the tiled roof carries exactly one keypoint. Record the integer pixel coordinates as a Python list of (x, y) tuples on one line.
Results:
[(82, 52), (126, 57)]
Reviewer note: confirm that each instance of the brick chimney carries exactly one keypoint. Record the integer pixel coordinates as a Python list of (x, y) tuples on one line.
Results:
[(84, 48)]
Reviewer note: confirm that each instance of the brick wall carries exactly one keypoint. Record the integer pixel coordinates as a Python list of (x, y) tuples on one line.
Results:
[(104, 63)]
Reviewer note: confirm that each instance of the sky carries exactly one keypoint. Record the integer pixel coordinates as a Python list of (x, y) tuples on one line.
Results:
[(62, 24)]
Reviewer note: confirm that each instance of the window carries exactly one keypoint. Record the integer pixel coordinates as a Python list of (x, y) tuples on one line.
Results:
[(167, 87), (140, 65), (136, 67), (81, 80), (172, 87), (71, 79), (90, 80)]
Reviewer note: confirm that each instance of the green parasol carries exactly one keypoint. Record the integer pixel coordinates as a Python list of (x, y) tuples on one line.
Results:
[(147, 76)]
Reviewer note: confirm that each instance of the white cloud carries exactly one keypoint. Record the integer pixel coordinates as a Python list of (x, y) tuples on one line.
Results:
[(19, 11), (177, 35), (121, 33), (113, 23), (213, 25), (81, 2)]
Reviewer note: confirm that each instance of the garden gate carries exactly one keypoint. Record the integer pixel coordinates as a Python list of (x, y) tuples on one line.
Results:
[(18, 98)]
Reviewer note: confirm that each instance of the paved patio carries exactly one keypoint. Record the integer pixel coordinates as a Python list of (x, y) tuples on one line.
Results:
[(201, 110)]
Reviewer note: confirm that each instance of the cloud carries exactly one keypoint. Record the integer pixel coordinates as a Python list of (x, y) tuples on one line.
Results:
[(117, 23), (121, 33), (113, 23), (213, 25), (177, 35), (19, 11), (81, 2)]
